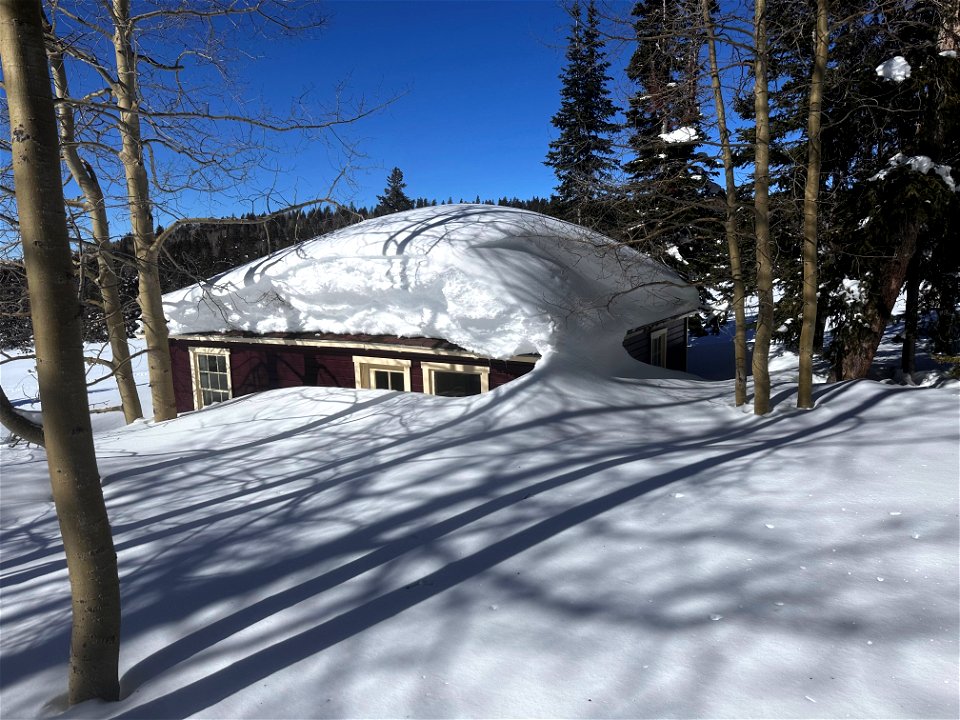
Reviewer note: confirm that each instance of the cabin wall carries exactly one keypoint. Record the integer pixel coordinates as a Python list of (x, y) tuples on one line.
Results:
[(255, 366), (637, 343)]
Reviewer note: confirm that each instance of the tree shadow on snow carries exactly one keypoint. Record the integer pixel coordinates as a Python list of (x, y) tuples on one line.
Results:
[(445, 508)]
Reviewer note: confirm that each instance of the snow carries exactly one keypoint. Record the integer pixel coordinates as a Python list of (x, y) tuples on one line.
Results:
[(918, 163), (674, 252), (896, 69), (680, 135), (851, 292), (948, 53), (595, 539), (495, 281)]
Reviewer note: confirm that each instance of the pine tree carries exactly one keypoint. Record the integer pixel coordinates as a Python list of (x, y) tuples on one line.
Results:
[(885, 225), (394, 199), (671, 208), (582, 155)]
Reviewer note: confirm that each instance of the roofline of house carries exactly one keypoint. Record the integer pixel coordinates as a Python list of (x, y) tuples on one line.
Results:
[(661, 321), (366, 346)]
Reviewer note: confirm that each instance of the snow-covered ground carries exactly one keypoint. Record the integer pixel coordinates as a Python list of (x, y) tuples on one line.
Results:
[(588, 541)]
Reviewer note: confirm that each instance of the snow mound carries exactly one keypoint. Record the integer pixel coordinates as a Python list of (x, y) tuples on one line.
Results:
[(896, 69), (496, 281)]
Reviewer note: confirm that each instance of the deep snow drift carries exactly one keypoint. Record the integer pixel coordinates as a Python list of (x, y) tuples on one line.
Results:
[(496, 281), (578, 543)]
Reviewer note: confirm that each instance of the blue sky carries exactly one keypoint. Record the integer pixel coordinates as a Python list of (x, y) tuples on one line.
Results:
[(477, 83)]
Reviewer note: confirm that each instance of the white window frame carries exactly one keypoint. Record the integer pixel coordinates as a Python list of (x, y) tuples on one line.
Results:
[(364, 365), (195, 353), (429, 368), (658, 337)]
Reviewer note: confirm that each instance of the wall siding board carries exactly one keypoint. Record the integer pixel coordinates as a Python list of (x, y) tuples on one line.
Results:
[(255, 367), (182, 376), (637, 343)]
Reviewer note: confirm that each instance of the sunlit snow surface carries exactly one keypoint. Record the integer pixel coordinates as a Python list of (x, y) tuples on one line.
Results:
[(680, 135), (592, 540), (496, 281), (896, 69)]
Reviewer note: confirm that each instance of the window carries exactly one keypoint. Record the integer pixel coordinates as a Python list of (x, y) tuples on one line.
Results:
[(211, 375), (381, 373), (658, 348), (454, 380)]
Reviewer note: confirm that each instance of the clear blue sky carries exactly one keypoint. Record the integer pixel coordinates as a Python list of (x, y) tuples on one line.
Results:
[(477, 84)]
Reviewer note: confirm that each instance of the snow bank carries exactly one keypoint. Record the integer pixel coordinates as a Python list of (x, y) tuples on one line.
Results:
[(496, 281), (570, 545), (896, 69)]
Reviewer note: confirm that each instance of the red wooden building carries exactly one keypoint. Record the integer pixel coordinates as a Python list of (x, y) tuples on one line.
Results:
[(212, 364)]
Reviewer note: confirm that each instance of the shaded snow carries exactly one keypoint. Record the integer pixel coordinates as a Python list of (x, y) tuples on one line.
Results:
[(896, 69), (592, 540), (496, 281)]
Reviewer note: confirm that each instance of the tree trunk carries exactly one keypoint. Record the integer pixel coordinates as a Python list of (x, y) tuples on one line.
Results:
[(141, 218), (811, 195), (51, 281), (107, 279), (820, 329), (761, 202), (16, 423), (730, 224), (859, 345), (908, 358)]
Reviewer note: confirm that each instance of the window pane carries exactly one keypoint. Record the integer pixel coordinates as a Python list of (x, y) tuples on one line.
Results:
[(387, 380), (213, 379), (455, 384)]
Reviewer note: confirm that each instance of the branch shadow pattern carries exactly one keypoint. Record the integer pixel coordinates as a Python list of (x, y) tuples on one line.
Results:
[(435, 510)]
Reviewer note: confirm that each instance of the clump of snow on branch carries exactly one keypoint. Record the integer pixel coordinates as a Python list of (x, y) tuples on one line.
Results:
[(851, 293), (680, 135), (948, 53), (674, 252), (918, 163), (495, 281), (896, 69)]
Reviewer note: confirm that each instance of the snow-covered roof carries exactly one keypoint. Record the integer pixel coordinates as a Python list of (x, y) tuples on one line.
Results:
[(496, 281)]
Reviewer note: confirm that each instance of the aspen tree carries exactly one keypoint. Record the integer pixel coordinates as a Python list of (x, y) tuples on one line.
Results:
[(51, 281)]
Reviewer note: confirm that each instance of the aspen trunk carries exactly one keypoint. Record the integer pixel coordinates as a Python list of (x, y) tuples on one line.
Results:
[(16, 423), (51, 281), (107, 279), (761, 202), (730, 224), (811, 196), (141, 218)]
